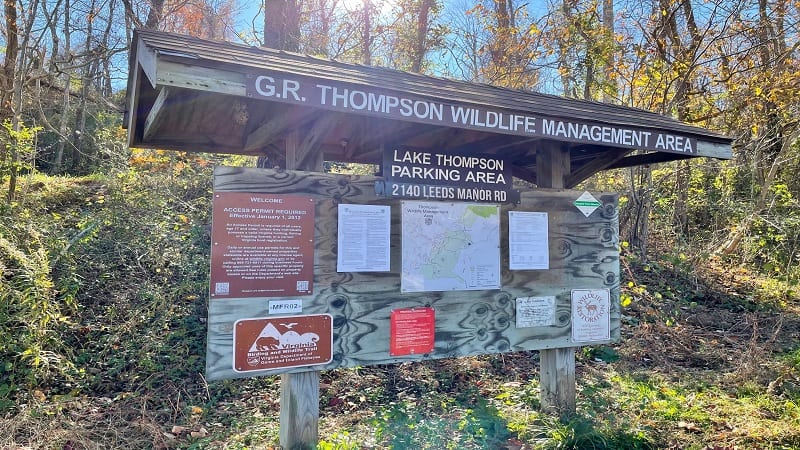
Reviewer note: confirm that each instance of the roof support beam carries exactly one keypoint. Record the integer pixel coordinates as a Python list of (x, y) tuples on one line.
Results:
[(552, 166), (600, 162), (401, 136), (277, 124), (645, 159), (155, 118), (524, 174), (307, 153)]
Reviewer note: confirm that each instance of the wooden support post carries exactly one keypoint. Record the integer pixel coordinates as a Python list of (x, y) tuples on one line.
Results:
[(556, 366), (299, 419), (299, 410), (557, 381)]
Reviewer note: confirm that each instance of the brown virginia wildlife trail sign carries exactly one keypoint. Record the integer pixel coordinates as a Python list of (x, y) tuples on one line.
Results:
[(373, 318), (280, 342)]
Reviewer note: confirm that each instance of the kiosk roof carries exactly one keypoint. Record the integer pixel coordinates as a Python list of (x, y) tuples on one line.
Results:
[(191, 94)]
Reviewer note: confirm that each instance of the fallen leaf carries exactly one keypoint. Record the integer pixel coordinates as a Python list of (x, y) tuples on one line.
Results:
[(202, 432), (690, 426)]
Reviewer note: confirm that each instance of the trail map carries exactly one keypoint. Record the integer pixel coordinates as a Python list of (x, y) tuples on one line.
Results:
[(450, 246)]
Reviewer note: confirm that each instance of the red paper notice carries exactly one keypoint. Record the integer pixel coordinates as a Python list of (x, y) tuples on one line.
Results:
[(262, 245), (411, 331)]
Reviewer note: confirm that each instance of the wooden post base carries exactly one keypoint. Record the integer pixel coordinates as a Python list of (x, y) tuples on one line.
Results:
[(557, 381), (299, 420)]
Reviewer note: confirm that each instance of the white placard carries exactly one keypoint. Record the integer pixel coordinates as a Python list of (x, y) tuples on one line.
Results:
[(591, 317), (292, 306), (364, 238), (528, 247), (536, 312)]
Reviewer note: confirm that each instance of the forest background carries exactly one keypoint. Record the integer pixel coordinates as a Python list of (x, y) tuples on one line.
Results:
[(104, 249)]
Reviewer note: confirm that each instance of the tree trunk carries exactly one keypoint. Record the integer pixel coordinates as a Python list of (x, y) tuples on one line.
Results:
[(420, 44), (63, 118), (641, 187), (7, 113), (608, 26), (10, 62), (366, 36), (155, 14), (104, 84), (292, 43), (734, 239), (282, 24), (78, 150)]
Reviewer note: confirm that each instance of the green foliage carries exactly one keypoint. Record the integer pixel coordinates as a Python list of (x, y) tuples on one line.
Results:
[(350, 168), (581, 433), (600, 353), (19, 154), (339, 441), (32, 314), (404, 425), (80, 254), (774, 242), (150, 279)]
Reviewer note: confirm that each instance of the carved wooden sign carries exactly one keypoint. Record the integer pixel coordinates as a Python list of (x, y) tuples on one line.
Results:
[(448, 289)]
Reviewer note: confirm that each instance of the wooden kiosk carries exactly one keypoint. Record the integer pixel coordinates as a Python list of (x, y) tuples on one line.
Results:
[(469, 240)]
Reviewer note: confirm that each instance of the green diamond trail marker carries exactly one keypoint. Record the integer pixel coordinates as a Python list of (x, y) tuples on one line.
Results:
[(587, 204)]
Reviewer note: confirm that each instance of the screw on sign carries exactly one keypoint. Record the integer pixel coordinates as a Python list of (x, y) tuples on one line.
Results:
[(411, 331), (591, 315)]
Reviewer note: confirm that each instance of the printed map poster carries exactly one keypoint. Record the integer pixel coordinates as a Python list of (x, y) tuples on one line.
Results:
[(450, 246), (591, 315)]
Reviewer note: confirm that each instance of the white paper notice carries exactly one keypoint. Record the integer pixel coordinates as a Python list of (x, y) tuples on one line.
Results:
[(528, 247), (364, 237), (536, 312), (591, 318)]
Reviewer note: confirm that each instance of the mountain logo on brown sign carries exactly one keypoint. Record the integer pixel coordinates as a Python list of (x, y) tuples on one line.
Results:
[(263, 343)]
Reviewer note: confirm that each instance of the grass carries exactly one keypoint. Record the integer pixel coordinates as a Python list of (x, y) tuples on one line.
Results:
[(708, 360)]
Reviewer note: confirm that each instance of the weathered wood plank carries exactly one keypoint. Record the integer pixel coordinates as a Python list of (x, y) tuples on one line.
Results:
[(557, 380), (307, 154), (156, 116), (277, 125), (200, 78), (557, 365), (714, 149), (600, 162), (583, 254), (299, 416)]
